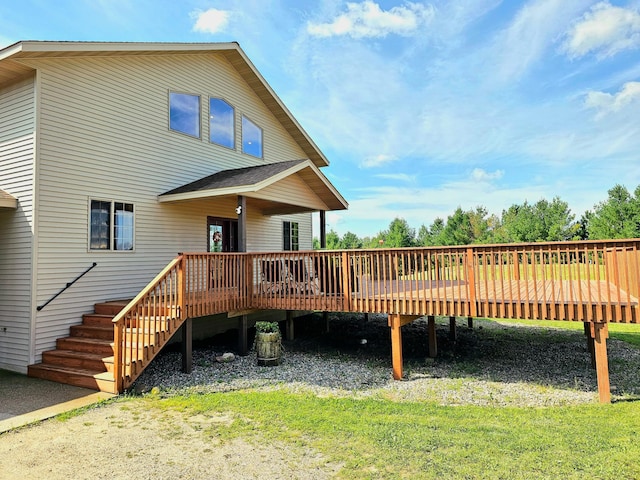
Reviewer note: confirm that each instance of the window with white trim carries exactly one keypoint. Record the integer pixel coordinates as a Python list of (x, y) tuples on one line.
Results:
[(290, 236), (111, 225), (184, 113)]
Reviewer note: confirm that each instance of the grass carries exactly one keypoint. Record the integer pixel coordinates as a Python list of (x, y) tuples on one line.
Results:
[(374, 438), (628, 332), (385, 438), (506, 272)]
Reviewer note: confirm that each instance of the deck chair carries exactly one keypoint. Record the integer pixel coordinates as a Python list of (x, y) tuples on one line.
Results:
[(301, 278), (272, 276)]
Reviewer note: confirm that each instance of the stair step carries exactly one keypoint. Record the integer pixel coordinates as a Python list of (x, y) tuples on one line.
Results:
[(87, 345), (97, 319), (86, 357), (74, 359), (111, 307), (92, 331), (95, 380)]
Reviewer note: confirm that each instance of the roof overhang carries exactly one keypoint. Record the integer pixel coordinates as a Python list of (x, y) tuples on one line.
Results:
[(12, 70), (7, 200), (307, 188)]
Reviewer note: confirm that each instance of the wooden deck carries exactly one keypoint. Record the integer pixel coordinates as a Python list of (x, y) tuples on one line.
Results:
[(572, 300), (590, 282)]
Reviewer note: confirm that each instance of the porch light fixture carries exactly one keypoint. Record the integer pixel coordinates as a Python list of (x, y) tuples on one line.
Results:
[(239, 210)]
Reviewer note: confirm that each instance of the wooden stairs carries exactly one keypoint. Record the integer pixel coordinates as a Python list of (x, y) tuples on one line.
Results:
[(85, 357)]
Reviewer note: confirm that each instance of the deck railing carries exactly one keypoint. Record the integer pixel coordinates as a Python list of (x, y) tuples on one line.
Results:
[(589, 281), (215, 283), (143, 327), (579, 281)]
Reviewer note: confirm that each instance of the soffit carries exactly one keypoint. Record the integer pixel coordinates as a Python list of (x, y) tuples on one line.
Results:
[(7, 200)]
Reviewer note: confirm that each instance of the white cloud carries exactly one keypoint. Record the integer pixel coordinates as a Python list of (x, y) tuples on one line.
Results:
[(378, 160), (399, 177), (367, 19), (605, 103), (481, 175), (210, 21), (605, 30), (534, 29)]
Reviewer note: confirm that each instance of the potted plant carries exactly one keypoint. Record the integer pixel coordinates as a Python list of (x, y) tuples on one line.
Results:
[(268, 343)]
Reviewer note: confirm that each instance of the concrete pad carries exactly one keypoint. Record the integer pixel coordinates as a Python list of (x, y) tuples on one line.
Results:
[(25, 400)]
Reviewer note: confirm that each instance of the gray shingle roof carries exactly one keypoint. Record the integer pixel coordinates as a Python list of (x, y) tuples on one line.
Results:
[(235, 178)]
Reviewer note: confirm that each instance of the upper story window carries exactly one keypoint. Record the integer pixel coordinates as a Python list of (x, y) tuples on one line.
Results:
[(111, 225), (184, 113), (221, 123), (251, 138)]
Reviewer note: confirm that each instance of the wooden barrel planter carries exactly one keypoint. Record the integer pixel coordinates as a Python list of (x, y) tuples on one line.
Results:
[(268, 344)]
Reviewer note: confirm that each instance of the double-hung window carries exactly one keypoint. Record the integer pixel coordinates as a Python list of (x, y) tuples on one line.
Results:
[(111, 225), (290, 236)]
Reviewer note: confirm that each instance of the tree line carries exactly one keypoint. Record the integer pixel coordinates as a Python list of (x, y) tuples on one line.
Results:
[(544, 221)]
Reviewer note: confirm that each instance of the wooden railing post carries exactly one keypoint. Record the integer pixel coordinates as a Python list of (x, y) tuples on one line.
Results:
[(117, 357), (346, 281), (471, 281), (182, 288)]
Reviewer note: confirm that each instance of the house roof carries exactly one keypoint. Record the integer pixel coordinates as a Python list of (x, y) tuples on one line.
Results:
[(11, 70), (259, 184), (7, 200)]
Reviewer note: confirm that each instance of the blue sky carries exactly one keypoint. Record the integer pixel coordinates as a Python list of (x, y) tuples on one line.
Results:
[(420, 106)]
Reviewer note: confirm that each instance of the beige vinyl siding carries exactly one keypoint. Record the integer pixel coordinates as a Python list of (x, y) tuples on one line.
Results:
[(266, 232), (104, 134), (295, 191), (16, 226)]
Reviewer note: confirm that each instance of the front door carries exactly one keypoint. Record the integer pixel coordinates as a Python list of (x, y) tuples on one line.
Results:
[(222, 234)]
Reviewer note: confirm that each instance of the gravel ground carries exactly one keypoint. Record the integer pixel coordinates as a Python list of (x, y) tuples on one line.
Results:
[(493, 364)]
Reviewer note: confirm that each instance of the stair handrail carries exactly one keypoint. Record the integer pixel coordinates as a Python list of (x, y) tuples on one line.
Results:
[(132, 306), (66, 286)]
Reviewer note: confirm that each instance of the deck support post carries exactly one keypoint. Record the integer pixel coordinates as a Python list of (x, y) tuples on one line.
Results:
[(289, 327), (590, 344), (187, 345), (433, 342), (599, 333), (453, 334), (470, 322), (243, 323), (325, 322), (396, 321), (396, 346)]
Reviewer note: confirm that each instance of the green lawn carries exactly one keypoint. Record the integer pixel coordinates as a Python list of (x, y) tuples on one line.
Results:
[(374, 438), (629, 332), (380, 437)]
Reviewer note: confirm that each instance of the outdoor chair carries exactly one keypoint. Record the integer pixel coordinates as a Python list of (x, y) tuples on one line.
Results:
[(302, 279), (272, 276)]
